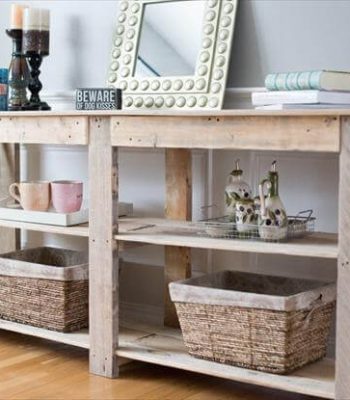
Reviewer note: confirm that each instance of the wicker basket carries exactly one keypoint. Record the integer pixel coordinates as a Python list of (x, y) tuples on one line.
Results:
[(45, 287), (260, 322)]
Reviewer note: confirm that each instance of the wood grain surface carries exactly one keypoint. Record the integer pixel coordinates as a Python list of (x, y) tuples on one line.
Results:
[(103, 260), (178, 207), (36, 369)]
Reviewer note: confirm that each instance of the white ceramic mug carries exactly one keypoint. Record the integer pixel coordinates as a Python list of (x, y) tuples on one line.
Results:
[(32, 195)]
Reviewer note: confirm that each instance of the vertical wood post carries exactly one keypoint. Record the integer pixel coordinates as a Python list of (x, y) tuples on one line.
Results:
[(103, 257), (178, 207), (9, 173), (342, 388)]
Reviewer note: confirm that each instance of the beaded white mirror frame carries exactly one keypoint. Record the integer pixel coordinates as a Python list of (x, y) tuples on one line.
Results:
[(205, 89)]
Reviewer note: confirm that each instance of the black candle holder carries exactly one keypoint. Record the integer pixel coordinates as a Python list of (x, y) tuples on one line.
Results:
[(36, 45), (19, 75), (35, 85)]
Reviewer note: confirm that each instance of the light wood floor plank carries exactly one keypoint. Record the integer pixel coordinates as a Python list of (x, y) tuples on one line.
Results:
[(32, 368)]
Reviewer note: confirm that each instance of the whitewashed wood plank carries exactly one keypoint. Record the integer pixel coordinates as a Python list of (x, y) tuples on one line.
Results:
[(178, 233), (278, 133), (309, 247), (103, 261), (343, 304), (78, 339), (165, 347), (184, 113), (9, 172), (44, 129), (78, 230), (178, 178)]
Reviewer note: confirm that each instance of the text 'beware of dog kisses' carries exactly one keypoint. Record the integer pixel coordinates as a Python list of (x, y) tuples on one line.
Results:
[(98, 99)]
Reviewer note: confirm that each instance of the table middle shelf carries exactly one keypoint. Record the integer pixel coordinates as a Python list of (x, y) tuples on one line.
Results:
[(178, 233), (156, 231), (77, 230)]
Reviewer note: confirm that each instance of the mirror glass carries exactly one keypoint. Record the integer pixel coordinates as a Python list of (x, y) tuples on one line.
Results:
[(170, 39)]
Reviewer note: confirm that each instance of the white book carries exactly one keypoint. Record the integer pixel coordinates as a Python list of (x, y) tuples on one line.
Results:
[(277, 107), (300, 97)]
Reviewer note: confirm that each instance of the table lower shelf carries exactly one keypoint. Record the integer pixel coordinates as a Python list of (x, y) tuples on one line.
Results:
[(78, 339), (164, 346)]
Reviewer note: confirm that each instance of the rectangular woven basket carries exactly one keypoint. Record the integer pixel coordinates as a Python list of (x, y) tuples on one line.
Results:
[(260, 322), (45, 287)]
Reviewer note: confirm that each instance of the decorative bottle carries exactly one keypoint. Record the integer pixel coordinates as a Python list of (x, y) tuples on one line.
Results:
[(19, 75), (236, 189), (273, 220)]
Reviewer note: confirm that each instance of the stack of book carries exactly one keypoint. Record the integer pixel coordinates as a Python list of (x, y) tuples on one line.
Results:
[(3, 88), (310, 89)]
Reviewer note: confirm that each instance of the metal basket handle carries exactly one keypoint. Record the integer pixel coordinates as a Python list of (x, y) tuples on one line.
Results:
[(306, 217), (308, 214)]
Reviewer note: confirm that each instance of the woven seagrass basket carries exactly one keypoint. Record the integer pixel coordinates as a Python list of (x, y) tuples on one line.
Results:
[(265, 323), (45, 287)]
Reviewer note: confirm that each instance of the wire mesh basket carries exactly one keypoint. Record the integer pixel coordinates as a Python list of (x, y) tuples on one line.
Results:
[(299, 226)]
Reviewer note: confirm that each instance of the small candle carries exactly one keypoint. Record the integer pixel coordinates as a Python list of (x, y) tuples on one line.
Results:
[(17, 16), (36, 31), (36, 19)]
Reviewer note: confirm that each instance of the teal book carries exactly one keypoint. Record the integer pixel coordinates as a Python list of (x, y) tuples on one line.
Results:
[(3, 88), (309, 80)]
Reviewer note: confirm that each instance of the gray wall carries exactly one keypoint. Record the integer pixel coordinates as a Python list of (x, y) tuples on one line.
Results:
[(271, 35), (288, 35), (81, 39)]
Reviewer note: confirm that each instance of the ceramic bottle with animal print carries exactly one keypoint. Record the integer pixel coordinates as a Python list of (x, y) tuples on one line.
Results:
[(273, 220), (236, 189)]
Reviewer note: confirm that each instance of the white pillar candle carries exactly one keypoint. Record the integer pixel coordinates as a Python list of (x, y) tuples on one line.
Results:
[(17, 16), (36, 19)]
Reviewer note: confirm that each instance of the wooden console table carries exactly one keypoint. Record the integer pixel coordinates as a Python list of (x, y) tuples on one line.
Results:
[(103, 134)]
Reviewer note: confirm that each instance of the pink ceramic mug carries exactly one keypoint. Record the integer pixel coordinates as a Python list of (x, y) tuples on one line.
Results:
[(67, 196)]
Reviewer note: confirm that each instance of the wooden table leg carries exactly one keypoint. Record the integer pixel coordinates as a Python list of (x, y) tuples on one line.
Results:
[(9, 173), (343, 299), (103, 257), (179, 207)]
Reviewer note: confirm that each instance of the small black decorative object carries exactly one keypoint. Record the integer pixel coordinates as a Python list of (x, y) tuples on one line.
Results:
[(19, 75), (36, 44), (35, 84)]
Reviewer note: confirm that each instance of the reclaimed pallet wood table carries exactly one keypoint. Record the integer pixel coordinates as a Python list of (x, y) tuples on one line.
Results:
[(103, 133)]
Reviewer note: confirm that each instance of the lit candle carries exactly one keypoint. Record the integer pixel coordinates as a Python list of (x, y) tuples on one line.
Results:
[(17, 16)]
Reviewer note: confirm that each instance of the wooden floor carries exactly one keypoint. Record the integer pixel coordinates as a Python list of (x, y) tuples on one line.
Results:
[(34, 369)]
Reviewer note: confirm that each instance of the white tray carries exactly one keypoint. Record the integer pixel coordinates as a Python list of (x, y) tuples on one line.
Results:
[(14, 212)]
